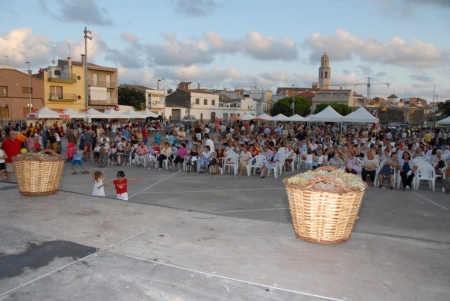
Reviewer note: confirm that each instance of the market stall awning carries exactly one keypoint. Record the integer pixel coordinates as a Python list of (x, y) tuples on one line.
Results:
[(147, 113), (46, 113), (297, 117), (280, 117), (326, 115), (264, 117), (74, 114), (114, 114), (248, 116), (132, 115)]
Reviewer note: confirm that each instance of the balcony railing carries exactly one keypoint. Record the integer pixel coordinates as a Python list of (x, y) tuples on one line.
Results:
[(70, 78), (62, 97), (101, 83), (112, 101)]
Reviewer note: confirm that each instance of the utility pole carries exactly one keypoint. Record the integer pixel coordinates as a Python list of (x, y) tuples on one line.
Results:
[(86, 32), (29, 88), (434, 97)]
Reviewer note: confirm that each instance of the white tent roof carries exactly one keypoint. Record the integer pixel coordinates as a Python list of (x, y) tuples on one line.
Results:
[(132, 115), (147, 113), (444, 121), (74, 114), (93, 113), (114, 114), (264, 117), (45, 113), (280, 117), (360, 116), (247, 116), (327, 115), (297, 117)]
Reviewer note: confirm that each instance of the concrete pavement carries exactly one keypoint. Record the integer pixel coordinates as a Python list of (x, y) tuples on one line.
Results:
[(201, 237)]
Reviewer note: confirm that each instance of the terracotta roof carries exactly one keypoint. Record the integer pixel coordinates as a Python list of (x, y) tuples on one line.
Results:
[(392, 96)]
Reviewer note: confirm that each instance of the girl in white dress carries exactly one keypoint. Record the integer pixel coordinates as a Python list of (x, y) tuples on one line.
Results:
[(98, 177)]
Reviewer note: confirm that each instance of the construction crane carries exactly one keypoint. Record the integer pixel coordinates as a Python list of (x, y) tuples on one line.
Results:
[(369, 84)]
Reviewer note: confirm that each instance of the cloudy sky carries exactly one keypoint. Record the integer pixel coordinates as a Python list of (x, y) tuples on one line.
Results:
[(237, 43)]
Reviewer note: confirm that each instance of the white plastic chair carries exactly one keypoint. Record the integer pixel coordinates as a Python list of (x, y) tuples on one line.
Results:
[(425, 173), (300, 161), (231, 161), (281, 163), (259, 161), (380, 166), (275, 170)]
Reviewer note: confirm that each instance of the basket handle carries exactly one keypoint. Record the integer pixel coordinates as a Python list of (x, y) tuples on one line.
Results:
[(49, 152), (337, 186), (37, 157), (325, 168)]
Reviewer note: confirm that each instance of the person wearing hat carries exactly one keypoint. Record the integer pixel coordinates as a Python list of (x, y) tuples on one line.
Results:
[(12, 147)]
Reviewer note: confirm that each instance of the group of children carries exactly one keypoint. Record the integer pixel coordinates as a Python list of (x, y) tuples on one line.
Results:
[(98, 176)]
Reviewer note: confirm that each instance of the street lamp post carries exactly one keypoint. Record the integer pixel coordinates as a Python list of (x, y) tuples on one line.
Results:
[(164, 98), (29, 87), (86, 32), (434, 110), (293, 101)]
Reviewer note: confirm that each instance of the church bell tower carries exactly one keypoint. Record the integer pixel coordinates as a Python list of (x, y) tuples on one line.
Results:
[(325, 72)]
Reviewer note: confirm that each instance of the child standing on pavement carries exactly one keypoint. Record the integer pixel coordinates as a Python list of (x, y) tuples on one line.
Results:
[(102, 156), (98, 177), (77, 160), (121, 185)]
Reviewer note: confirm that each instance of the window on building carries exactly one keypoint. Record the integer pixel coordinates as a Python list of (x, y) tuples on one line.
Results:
[(3, 91), (56, 92), (326, 74), (205, 102), (58, 72), (25, 90), (197, 101), (213, 102)]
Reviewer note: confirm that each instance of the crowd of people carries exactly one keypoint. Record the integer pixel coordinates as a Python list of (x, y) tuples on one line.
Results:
[(200, 147)]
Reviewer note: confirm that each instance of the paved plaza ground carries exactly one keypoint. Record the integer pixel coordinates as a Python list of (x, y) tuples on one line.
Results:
[(191, 236)]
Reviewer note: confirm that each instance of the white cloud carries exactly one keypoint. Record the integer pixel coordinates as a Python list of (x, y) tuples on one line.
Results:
[(397, 52), (195, 8), (269, 48), (421, 75), (80, 11), (173, 52), (220, 43)]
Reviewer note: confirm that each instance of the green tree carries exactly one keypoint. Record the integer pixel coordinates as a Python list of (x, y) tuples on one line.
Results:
[(444, 109), (131, 97), (338, 107), (284, 106)]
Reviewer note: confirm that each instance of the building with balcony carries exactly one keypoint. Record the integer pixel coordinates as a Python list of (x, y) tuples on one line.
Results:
[(14, 94), (154, 98), (102, 84), (63, 86)]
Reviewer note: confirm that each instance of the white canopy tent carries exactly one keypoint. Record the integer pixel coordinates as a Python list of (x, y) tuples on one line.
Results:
[(297, 117), (327, 115), (147, 113), (74, 114), (360, 116), (280, 117), (444, 121), (264, 117), (248, 116), (46, 113), (114, 114), (132, 115), (93, 113)]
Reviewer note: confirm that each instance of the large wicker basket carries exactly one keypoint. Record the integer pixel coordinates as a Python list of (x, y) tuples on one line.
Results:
[(323, 217), (38, 173)]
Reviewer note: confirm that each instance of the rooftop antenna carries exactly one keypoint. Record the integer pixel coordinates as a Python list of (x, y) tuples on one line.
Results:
[(68, 45), (7, 61)]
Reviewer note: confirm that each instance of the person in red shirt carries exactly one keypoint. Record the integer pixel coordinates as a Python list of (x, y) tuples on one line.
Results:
[(145, 134), (121, 185), (11, 147)]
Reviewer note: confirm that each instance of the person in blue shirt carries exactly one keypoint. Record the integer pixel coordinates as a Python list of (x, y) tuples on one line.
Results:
[(77, 160), (171, 139), (126, 134), (157, 137)]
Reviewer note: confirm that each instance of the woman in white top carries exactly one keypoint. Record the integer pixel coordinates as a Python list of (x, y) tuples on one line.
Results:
[(3, 156), (98, 178), (244, 157), (289, 155), (271, 163)]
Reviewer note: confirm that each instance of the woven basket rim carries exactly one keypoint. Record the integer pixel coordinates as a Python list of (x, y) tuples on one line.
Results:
[(348, 189), (51, 157)]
